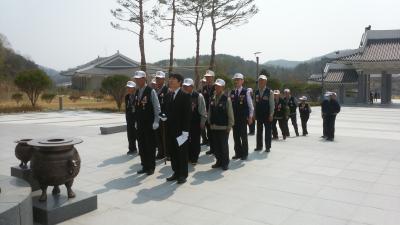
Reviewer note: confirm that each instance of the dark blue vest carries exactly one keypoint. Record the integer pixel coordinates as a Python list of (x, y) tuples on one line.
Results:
[(262, 104), (218, 111), (239, 103)]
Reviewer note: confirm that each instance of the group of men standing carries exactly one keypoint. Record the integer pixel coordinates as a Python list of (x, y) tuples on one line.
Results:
[(178, 115)]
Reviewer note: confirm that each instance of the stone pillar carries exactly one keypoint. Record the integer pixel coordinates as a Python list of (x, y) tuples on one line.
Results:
[(362, 87), (386, 88)]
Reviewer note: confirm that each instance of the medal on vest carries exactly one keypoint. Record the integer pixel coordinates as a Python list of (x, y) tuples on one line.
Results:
[(241, 99), (144, 102)]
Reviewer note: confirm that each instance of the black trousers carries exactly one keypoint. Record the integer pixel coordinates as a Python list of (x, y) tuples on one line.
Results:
[(179, 157), (160, 132), (240, 138), (252, 128), (260, 127), (293, 119), (282, 126), (330, 126), (324, 126), (209, 136), (221, 146), (194, 142), (131, 132), (304, 120), (204, 135), (147, 146)]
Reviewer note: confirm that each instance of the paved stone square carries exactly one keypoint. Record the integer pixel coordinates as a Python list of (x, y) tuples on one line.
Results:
[(303, 181)]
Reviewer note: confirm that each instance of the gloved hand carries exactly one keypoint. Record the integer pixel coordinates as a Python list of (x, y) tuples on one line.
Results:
[(136, 126), (155, 126), (185, 134)]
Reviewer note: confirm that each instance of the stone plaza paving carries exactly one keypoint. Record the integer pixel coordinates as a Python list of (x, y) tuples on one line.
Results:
[(303, 181)]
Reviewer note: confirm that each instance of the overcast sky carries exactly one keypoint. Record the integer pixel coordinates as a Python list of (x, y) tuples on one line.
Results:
[(65, 33)]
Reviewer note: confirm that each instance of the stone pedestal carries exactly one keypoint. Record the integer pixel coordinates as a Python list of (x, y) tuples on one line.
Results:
[(15, 202), (27, 175), (386, 89), (59, 208), (113, 129)]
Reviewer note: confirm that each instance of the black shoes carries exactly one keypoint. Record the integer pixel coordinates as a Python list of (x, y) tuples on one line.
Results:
[(251, 134), (224, 167), (181, 180), (159, 156), (209, 152), (244, 157), (267, 150), (150, 172), (131, 152), (142, 171), (257, 149), (216, 165), (236, 157), (172, 178), (284, 137)]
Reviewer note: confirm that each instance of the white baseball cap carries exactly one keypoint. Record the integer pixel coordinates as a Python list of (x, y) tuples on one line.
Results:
[(209, 73), (160, 74), (220, 82), (262, 77), (131, 84), (303, 98), (188, 82), (238, 76), (277, 92), (327, 94), (286, 90), (139, 74)]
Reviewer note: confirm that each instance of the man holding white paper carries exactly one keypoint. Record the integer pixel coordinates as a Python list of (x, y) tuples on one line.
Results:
[(178, 111)]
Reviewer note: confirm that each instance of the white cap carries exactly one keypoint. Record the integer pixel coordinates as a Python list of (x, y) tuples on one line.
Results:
[(209, 73), (238, 76), (277, 92), (153, 81), (131, 84), (139, 74), (262, 77), (333, 93), (188, 82), (327, 94), (160, 74), (286, 90), (220, 82), (303, 98), (203, 80)]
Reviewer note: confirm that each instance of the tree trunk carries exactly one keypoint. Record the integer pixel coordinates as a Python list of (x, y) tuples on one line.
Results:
[(214, 39), (171, 51), (197, 63), (141, 38)]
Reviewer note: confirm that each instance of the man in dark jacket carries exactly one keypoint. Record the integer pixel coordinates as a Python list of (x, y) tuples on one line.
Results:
[(208, 92), (178, 111), (162, 91), (324, 111), (130, 117), (199, 117), (280, 115), (243, 110), (304, 110), (147, 110), (292, 113), (264, 110), (333, 110)]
